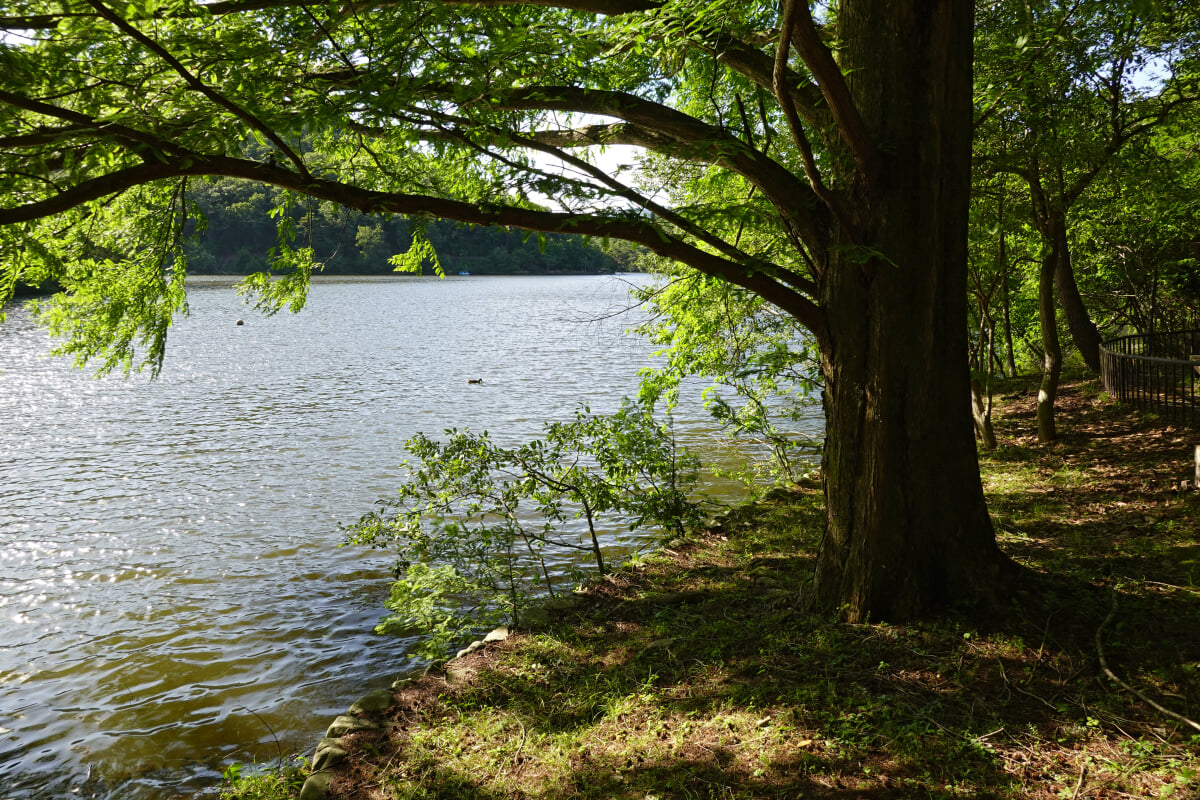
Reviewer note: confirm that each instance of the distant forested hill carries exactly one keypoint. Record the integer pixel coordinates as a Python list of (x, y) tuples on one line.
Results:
[(239, 234)]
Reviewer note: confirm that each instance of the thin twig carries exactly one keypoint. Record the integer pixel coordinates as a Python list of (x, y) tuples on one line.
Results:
[(278, 746), (1079, 784), (1104, 666), (521, 746), (1192, 589)]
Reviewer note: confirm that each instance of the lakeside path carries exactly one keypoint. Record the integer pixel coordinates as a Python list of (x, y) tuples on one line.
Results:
[(697, 673)]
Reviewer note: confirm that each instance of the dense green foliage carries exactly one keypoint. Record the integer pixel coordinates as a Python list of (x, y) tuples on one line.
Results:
[(1086, 155), (1084, 173), (1069, 96), (435, 111), (1137, 234)]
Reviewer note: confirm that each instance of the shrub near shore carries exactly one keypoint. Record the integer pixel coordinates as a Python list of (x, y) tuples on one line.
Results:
[(698, 673)]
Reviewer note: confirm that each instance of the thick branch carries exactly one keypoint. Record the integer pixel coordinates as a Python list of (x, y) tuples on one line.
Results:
[(741, 56), (730, 251), (80, 122), (618, 133), (650, 125), (630, 227), (704, 142), (43, 136), (662, 129), (833, 86), (456, 129), (32, 22), (790, 22), (759, 67)]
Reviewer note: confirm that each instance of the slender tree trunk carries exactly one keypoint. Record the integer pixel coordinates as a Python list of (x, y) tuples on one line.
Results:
[(998, 365), (1005, 296), (981, 387), (908, 529), (1152, 323), (1083, 331), (981, 410), (1051, 349), (1008, 336)]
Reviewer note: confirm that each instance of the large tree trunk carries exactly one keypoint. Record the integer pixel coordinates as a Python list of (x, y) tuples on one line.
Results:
[(908, 529)]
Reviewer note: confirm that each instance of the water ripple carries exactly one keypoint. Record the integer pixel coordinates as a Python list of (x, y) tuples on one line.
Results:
[(171, 594)]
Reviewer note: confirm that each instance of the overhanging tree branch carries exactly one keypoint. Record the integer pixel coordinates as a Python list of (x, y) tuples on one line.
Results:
[(628, 226), (129, 137), (655, 127), (799, 137), (31, 22), (694, 138), (650, 140), (759, 67), (43, 136)]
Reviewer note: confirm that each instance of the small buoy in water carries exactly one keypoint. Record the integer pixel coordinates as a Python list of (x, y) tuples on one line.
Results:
[(474, 380), (239, 322)]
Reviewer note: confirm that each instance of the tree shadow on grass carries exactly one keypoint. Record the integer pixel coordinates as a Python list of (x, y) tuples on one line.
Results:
[(1099, 515), (702, 675), (706, 677)]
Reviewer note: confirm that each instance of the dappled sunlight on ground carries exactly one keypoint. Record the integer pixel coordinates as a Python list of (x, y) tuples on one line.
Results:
[(700, 674)]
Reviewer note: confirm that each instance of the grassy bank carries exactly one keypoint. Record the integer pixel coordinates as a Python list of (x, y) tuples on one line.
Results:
[(698, 673)]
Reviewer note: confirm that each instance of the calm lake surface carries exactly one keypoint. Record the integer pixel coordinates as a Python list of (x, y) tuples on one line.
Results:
[(171, 593)]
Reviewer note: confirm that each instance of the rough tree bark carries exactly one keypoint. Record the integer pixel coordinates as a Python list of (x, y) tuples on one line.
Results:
[(908, 528)]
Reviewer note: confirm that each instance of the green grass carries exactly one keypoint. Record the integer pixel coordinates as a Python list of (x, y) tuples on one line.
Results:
[(264, 783)]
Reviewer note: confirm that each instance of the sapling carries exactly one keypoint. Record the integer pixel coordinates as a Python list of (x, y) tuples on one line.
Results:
[(476, 526)]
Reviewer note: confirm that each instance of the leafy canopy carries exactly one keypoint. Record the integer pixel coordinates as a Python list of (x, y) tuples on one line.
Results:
[(471, 112)]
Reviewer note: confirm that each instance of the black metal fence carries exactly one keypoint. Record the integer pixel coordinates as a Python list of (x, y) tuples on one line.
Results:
[(1159, 373)]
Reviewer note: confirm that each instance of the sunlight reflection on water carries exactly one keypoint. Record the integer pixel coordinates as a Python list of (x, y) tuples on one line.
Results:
[(171, 592)]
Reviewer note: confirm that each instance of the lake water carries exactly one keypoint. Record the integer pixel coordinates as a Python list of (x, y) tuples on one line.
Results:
[(172, 597)]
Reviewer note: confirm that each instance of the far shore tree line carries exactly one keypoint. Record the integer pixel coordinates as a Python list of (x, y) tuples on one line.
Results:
[(237, 234)]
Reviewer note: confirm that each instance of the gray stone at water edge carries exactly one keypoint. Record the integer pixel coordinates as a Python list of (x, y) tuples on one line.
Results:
[(329, 754), (348, 724), (373, 703), (316, 786)]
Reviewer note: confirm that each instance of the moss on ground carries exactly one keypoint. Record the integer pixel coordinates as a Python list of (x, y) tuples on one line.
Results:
[(699, 673)]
